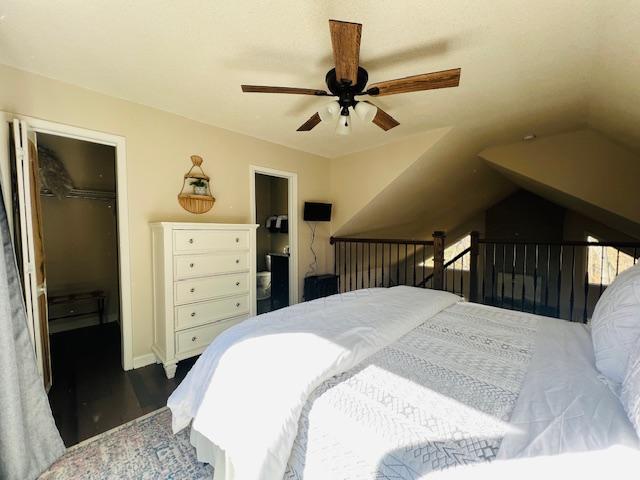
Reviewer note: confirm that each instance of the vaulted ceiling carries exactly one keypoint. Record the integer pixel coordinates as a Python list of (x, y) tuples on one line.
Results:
[(543, 62)]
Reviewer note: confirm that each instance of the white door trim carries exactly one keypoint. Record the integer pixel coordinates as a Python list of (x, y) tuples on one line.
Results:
[(62, 130), (292, 195)]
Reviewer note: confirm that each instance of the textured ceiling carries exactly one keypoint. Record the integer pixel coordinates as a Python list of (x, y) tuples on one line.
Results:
[(189, 57)]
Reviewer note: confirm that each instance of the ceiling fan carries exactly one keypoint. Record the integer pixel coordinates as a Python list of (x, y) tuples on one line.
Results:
[(348, 80)]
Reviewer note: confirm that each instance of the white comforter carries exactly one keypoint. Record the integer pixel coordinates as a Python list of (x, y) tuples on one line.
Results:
[(247, 390)]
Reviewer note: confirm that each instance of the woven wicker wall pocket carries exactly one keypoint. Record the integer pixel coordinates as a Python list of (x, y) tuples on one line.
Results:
[(195, 196)]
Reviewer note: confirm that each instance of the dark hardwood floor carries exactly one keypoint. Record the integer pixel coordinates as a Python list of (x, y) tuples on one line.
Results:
[(91, 393)]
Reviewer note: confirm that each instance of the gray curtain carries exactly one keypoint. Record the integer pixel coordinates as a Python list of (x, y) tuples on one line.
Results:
[(29, 439)]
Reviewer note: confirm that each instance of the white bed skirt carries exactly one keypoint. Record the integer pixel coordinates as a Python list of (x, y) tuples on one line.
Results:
[(207, 452)]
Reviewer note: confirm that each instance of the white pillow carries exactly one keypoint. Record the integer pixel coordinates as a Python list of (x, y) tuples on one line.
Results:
[(615, 326), (631, 388)]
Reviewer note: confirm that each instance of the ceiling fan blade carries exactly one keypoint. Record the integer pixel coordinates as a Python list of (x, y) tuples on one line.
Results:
[(345, 39), (293, 90), (309, 124), (383, 119), (416, 83)]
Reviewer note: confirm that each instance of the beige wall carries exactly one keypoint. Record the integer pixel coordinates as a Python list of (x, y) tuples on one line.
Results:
[(158, 148), (80, 235), (358, 177)]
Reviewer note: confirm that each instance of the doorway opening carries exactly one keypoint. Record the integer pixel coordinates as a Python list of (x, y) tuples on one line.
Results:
[(78, 200), (84, 329), (274, 212)]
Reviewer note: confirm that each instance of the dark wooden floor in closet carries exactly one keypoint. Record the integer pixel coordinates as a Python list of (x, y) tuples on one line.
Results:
[(91, 393)]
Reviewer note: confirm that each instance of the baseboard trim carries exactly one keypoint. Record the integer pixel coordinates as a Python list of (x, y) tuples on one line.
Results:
[(144, 360)]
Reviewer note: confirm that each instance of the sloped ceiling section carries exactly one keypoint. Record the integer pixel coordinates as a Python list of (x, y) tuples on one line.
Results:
[(582, 170), (444, 186)]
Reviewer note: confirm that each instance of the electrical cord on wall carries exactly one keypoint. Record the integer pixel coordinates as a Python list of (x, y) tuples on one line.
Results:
[(313, 265)]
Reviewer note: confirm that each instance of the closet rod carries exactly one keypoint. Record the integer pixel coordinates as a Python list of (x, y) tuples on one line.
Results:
[(83, 194)]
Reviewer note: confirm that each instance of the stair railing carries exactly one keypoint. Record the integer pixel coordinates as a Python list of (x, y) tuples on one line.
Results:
[(561, 279)]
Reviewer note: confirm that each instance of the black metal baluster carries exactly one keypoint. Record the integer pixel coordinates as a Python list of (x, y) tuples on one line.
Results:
[(453, 278), (397, 264), (362, 266), (336, 270), (382, 262), (350, 266), (357, 263), (524, 278), (484, 272), (559, 280), (406, 266), (344, 262), (586, 295), (462, 276), (504, 271), (444, 280), (369, 265), (535, 279), (375, 263), (602, 254), (547, 280), (414, 264), (513, 277), (494, 285), (424, 265), (573, 277)]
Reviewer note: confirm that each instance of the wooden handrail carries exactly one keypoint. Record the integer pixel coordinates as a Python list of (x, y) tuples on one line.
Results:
[(333, 240), (563, 243)]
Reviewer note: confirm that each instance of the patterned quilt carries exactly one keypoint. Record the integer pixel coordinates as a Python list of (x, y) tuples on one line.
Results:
[(439, 397)]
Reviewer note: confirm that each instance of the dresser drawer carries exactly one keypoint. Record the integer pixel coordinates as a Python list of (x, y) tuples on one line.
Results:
[(188, 266), (194, 314), (198, 289), (189, 241), (198, 338)]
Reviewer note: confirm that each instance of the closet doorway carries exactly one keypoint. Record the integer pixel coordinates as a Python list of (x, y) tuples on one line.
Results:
[(273, 202), (93, 195)]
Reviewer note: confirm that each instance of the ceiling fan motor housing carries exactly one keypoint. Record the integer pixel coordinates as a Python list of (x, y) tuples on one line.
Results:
[(344, 90)]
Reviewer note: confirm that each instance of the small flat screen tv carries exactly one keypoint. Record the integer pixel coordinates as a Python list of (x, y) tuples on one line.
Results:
[(317, 212)]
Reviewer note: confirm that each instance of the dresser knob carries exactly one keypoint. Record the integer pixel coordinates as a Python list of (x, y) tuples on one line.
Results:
[(238, 304), (237, 240), (191, 265), (192, 290), (237, 284), (193, 314), (191, 240), (193, 339), (237, 260)]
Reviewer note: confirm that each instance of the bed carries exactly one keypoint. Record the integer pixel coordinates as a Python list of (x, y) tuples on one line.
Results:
[(401, 383)]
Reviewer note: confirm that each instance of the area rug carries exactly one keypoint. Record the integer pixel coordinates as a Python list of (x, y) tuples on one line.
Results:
[(144, 448)]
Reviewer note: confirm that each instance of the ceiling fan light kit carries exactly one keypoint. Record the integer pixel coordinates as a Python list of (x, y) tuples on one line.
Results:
[(344, 123), (348, 80), (330, 111), (366, 111)]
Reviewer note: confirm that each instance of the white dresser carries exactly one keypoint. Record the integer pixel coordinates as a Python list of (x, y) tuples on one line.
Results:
[(203, 283)]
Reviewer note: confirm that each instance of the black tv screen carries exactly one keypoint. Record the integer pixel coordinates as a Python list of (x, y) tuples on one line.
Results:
[(317, 212)]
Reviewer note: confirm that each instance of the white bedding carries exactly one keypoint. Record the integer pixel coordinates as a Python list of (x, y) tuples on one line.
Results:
[(563, 406), (247, 390), (439, 397)]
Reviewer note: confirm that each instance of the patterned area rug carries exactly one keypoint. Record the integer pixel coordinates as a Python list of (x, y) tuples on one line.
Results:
[(144, 448)]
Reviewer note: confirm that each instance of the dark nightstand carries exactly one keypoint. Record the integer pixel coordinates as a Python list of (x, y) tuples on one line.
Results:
[(317, 286)]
